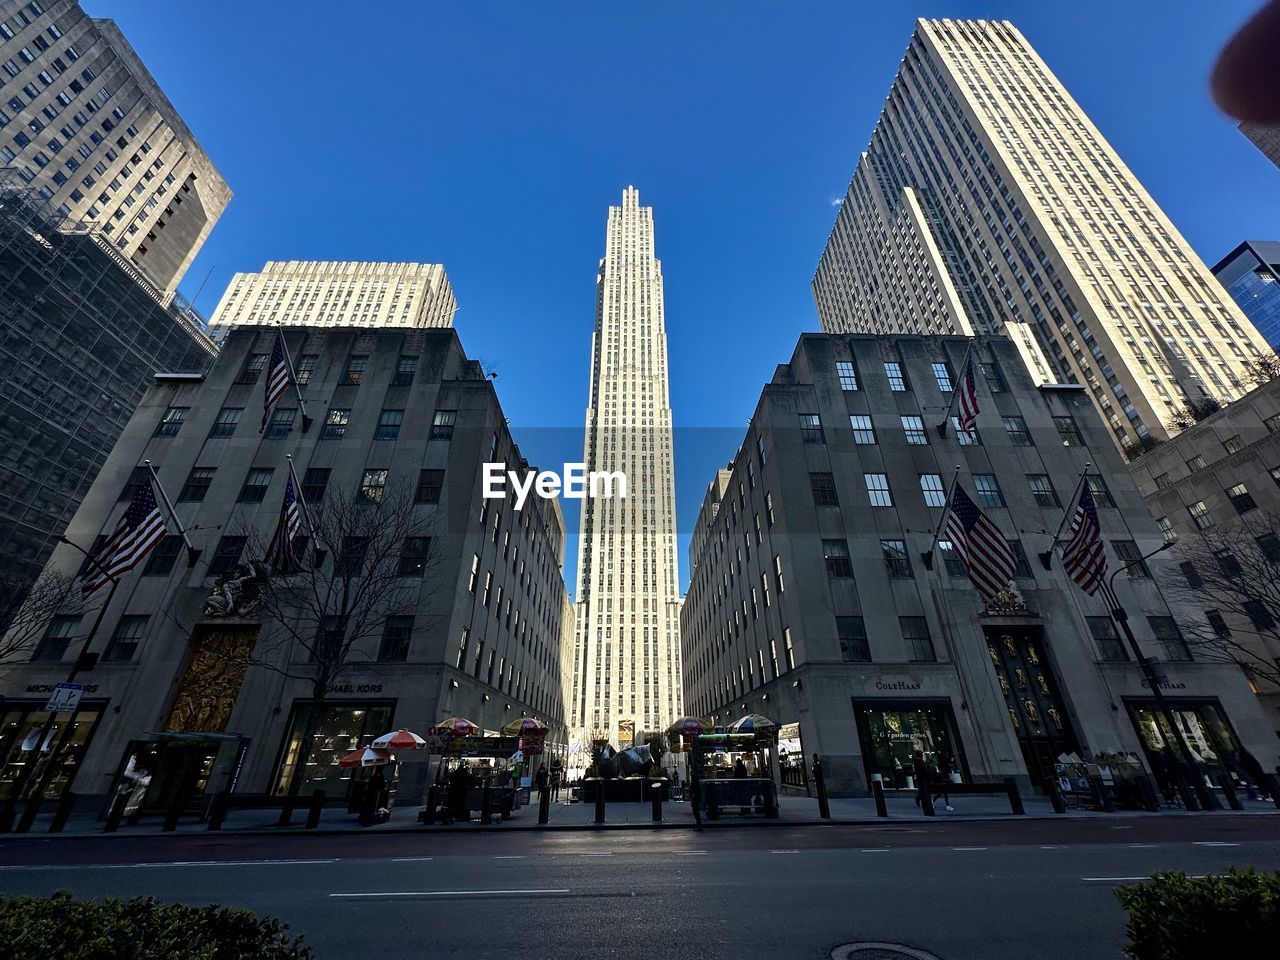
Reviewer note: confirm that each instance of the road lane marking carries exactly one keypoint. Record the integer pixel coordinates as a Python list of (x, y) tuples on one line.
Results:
[(691, 853), (1126, 879), (784, 851), (876, 849), (508, 857), (166, 863), (1142, 844), (968, 848), (451, 893), (1213, 843), (411, 859), (1048, 846), (606, 854)]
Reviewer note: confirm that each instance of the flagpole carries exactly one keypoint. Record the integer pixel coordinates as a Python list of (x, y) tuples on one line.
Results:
[(1073, 503), (964, 364), (297, 492), (293, 378), (192, 552), (927, 556)]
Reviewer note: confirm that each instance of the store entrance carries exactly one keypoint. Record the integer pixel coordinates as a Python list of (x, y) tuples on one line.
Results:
[(176, 771), (1032, 699), (891, 731), (1208, 734)]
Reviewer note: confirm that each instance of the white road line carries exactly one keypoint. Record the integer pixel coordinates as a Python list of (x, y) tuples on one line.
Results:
[(691, 853), (411, 859), (1048, 846), (508, 857), (1142, 844), (451, 893), (607, 854), (1213, 843), (1125, 879), (876, 849), (968, 848), (784, 851), (171, 863)]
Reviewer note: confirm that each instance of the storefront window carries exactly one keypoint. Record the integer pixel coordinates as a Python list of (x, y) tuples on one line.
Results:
[(26, 753), (892, 732), (343, 727), (1209, 736)]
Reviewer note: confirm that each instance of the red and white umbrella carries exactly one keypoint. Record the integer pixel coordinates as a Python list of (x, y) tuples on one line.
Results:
[(399, 740), (365, 757)]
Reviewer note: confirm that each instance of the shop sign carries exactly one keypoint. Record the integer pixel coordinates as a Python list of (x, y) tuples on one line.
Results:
[(1167, 684), (897, 684), (51, 687), (65, 698), (354, 688)]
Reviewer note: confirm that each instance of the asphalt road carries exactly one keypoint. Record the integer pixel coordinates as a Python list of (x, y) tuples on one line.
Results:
[(1029, 890)]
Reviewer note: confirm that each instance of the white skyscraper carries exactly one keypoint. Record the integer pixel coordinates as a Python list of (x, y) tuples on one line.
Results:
[(626, 658)]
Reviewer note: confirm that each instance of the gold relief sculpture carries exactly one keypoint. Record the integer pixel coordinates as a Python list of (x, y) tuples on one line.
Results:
[(1022, 677), (1013, 718), (1004, 683), (1032, 656), (995, 657), (209, 688), (1055, 716), (894, 723), (1032, 713), (1044, 684), (1009, 644)]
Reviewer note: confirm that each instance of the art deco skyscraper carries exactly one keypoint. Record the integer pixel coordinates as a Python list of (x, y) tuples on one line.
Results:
[(626, 658), (988, 202)]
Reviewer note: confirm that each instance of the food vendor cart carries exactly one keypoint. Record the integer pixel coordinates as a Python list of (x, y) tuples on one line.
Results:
[(477, 771), (733, 774)]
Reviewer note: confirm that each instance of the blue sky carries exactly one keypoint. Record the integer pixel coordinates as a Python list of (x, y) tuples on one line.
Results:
[(491, 137)]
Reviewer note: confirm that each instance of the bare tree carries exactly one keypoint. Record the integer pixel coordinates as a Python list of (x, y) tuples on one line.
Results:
[(1233, 572), (1193, 411), (28, 607), (369, 560), (1264, 369)]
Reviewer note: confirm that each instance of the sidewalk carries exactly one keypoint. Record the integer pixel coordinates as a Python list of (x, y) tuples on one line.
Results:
[(793, 811)]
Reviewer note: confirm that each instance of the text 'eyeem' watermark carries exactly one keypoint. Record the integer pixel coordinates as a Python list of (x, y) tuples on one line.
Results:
[(573, 483)]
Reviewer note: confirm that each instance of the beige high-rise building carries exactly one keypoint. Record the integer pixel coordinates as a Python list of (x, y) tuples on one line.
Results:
[(626, 656), (987, 202), (324, 293), (86, 125)]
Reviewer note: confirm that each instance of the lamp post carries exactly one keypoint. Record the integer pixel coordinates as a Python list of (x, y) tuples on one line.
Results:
[(83, 661), (1206, 800)]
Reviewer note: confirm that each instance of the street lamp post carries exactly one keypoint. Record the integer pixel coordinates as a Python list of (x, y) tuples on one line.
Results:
[(1206, 800), (82, 662)]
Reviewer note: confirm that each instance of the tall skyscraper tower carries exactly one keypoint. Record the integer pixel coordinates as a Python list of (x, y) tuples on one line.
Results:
[(626, 658), (987, 202)]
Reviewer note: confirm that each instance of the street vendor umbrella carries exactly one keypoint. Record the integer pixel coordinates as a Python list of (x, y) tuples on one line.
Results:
[(365, 757), (755, 723), (399, 740), (524, 727), (454, 727), (686, 728)]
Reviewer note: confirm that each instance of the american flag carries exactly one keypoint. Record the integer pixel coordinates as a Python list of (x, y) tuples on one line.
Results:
[(1083, 556), (280, 553), (138, 531), (968, 413), (277, 380), (978, 542)]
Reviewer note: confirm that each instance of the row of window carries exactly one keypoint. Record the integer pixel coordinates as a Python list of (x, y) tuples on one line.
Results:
[(352, 375), (895, 375), (915, 434), (986, 487), (315, 481)]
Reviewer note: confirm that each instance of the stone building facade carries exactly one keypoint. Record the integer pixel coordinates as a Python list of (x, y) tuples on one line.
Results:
[(810, 600), (390, 409)]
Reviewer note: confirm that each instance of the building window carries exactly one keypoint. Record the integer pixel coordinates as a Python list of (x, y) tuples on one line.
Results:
[(988, 489), (915, 631), (373, 485), (788, 649), (351, 557), (430, 483), (935, 495), (442, 425), (281, 423), (854, 647), (823, 486), (226, 555), (942, 375), (1016, 428), (1200, 515), (161, 559), (171, 422), (255, 485), (836, 555), (913, 429), (1105, 635), (254, 364), (1196, 463), (1098, 488), (878, 489), (863, 431), (413, 557), (1191, 574), (396, 632), (1042, 490), (991, 373), (955, 566), (197, 485), (305, 368), (897, 380), (848, 375), (406, 367), (811, 428), (1269, 545), (388, 425), (1241, 499), (335, 424), (1068, 432), (1258, 615), (57, 637), (1021, 568), (314, 483), (896, 560), (1127, 552), (1162, 481), (1233, 444), (967, 438), (354, 373), (1166, 631), (1166, 528), (125, 638), (1228, 564), (224, 425), (1217, 624), (1272, 423)]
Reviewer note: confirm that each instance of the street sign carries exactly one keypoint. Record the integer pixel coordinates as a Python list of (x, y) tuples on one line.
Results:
[(65, 698)]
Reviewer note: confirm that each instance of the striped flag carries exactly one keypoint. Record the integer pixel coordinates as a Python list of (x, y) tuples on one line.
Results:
[(277, 379), (1083, 556), (280, 552), (978, 542), (138, 531), (968, 412)]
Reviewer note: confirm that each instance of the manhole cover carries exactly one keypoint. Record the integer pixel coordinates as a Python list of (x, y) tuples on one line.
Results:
[(879, 951)]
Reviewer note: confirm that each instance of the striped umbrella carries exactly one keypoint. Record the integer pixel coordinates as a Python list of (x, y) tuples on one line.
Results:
[(399, 740), (454, 727), (524, 727), (756, 723), (365, 757)]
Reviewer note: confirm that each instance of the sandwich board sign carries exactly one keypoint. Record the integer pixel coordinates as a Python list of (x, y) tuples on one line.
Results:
[(65, 698)]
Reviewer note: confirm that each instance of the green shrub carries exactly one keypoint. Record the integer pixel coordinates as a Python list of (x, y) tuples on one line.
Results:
[(1175, 917), (44, 928)]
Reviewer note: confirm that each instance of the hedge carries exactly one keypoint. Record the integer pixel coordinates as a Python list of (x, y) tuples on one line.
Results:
[(1175, 917), (63, 928)]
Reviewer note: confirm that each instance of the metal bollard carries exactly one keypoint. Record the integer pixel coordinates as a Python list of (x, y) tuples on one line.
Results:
[(877, 792), (63, 812), (544, 806), (600, 801), (486, 801), (655, 795), (218, 810), (1229, 791), (286, 813), (1055, 796), (1015, 798), (115, 813), (926, 802), (824, 806), (429, 814), (1100, 795), (314, 810)]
